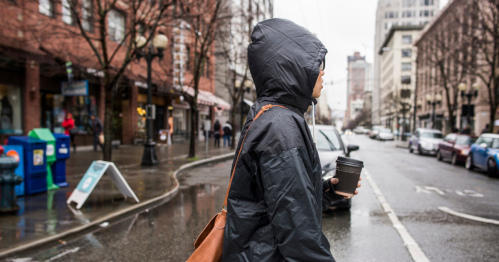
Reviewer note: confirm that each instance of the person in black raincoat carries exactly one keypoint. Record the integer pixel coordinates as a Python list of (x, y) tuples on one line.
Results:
[(275, 202)]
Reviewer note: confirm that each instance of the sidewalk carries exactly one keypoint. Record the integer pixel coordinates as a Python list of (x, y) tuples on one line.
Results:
[(45, 215)]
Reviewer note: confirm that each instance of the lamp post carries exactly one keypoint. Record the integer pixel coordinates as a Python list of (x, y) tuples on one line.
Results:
[(404, 103), (247, 86), (433, 101), (472, 94), (159, 43)]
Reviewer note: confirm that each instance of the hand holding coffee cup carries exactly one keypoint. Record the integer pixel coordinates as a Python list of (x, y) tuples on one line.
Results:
[(335, 181), (348, 176)]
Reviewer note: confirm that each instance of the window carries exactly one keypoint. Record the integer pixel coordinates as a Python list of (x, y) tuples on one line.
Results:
[(408, 3), (465, 140), (409, 14), (424, 13), (405, 80), (86, 15), (46, 7), (391, 14), (495, 144), (450, 138), (187, 58), (406, 52), (10, 102), (426, 2), (431, 135), (116, 25), (486, 140), (67, 17), (406, 39), (406, 66), (327, 140)]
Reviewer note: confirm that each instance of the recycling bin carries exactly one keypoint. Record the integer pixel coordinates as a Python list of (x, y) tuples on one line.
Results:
[(62, 146), (17, 153), (35, 163), (45, 135)]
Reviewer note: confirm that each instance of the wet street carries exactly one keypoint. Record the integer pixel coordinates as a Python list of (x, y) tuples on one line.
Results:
[(418, 189)]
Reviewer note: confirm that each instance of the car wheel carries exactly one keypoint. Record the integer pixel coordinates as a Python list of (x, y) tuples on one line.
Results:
[(410, 148), (469, 162), (439, 156), (492, 167), (453, 160), (420, 152)]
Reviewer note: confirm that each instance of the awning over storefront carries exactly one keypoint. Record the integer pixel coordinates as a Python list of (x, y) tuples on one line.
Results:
[(248, 102), (207, 98)]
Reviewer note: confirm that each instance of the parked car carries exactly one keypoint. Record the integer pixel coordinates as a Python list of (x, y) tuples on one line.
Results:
[(425, 141), (384, 134), (484, 154), (374, 131), (330, 146), (358, 130), (366, 131), (455, 147)]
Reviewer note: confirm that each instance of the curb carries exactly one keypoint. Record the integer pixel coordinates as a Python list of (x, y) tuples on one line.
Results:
[(169, 195)]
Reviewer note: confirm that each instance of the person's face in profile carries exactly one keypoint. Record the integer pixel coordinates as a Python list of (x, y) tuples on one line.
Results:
[(92, 117), (318, 85)]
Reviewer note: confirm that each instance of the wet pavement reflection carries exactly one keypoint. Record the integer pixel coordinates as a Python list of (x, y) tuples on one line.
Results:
[(167, 232), (47, 214)]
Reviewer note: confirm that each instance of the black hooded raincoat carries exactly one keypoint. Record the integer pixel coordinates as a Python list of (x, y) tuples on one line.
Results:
[(274, 204)]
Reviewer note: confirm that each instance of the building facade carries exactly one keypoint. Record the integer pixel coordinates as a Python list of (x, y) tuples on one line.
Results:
[(432, 98), (232, 41), (359, 74), (398, 75), (35, 70), (392, 13)]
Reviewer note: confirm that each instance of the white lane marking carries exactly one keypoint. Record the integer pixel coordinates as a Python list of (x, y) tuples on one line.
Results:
[(420, 189), (471, 217), (413, 247), (473, 193), (434, 189), (74, 250)]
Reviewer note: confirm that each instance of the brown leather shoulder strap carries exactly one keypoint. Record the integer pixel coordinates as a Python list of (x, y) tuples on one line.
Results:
[(263, 110)]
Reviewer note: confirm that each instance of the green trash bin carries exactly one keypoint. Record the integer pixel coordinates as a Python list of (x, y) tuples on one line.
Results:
[(45, 135)]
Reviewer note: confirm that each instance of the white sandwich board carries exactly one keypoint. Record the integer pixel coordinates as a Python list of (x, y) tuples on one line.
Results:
[(92, 177)]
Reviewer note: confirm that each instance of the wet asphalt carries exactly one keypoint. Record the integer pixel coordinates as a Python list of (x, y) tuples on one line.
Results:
[(414, 186)]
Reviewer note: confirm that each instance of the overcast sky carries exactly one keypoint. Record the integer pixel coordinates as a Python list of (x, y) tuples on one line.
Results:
[(344, 27)]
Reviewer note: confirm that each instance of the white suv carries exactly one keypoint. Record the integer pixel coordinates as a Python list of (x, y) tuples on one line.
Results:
[(425, 141)]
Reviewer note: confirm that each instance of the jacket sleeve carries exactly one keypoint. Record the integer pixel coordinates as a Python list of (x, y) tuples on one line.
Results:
[(292, 206)]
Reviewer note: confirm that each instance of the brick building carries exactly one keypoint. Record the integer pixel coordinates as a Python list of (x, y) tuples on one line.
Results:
[(37, 40)]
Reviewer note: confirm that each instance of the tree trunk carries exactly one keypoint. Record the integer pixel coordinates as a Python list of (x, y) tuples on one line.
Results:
[(192, 139), (108, 124), (232, 121)]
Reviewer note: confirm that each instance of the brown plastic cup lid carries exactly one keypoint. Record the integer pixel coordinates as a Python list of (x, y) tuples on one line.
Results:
[(349, 162)]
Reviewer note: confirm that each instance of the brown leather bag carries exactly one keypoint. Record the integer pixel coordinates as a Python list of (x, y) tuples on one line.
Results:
[(209, 243)]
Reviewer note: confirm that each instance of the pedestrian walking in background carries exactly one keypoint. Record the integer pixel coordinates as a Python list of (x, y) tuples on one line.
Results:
[(69, 129), (275, 201), (96, 126), (216, 133), (227, 129), (486, 129)]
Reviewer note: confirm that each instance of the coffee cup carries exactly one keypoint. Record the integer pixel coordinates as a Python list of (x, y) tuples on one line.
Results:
[(348, 173)]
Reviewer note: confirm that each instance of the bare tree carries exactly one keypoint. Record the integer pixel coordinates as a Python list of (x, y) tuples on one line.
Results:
[(204, 18), (446, 57), (482, 24), (234, 38), (103, 35)]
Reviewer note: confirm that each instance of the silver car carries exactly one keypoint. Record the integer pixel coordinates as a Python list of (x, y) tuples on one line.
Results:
[(425, 141)]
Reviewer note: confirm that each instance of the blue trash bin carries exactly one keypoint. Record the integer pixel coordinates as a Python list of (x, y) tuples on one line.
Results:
[(35, 163), (62, 146)]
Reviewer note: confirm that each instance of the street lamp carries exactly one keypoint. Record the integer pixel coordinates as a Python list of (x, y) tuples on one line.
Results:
[(159, 43), (405, 103), (433, 101), (472, 94), (247, 88)]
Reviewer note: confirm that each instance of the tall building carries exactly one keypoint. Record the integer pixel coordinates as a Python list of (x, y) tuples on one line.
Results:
[(359, 74), (388, 14), (398, 71)]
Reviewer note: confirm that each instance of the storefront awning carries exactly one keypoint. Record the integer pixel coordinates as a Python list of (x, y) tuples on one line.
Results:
[(207, 98), (248, 102)]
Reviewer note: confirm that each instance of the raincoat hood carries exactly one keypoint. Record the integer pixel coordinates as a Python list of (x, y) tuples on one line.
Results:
[(284, 61)]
